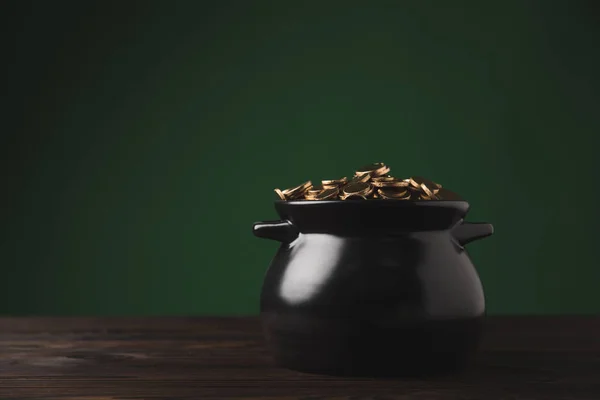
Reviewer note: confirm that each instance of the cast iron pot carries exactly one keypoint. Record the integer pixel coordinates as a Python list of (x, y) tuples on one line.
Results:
[(372, 288)]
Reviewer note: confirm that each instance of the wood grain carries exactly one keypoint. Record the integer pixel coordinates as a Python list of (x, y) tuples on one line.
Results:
[(224, 358)]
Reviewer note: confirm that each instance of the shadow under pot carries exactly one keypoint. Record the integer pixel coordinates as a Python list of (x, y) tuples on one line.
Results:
[(372, 288)]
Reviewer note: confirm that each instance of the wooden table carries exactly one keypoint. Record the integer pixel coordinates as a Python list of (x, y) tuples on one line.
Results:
[(224, 358)]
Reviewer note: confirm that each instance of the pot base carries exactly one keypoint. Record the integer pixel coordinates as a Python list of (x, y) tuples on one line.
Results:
[(351, 348)]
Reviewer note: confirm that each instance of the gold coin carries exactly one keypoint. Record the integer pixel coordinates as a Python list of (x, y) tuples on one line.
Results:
[(328, 194), (375, 169), (363, 177), (298, 191), (334, 182), (315, 190), (428, 192), (356, 188), (380, 172), (430, 184), (405, 197), (389, 184), (400, 193), (384, 178), (393, 193), (354, 197), (311, 196), (370, 167), (414, 183), (280, 194), (427, 197)]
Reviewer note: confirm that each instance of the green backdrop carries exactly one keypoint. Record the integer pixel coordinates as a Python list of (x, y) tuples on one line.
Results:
[(142, 140)]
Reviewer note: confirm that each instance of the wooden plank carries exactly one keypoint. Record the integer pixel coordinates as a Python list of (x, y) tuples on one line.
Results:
[(184, 358)]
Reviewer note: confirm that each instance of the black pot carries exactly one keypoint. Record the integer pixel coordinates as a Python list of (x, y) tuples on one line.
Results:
[(372, 288)]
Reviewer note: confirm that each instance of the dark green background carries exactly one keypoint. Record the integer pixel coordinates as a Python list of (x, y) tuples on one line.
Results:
[(141, 140)]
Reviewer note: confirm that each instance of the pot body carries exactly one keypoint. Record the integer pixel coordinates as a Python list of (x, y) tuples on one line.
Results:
[(376, 304)]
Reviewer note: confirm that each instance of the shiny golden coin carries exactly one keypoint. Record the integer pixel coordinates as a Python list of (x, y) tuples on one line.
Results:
[(356, 188), (393, 193), (375, 169), (414, 183), (426, 197), (280, 194), (334, 182), (384, 178), (381, 184), (354, 197), (396, 198), (424, 181), (315, 190), (431, 186), (370, 167), (426, 190), (361, 178), (380, 172), (298, 191), (328, 194), (311, 196)]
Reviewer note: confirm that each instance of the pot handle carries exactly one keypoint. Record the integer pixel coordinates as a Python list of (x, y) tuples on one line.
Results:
[(282, 230), (466, 232)]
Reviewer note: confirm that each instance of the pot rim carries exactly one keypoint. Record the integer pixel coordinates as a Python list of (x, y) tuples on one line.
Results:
[(401, 203), (345, 217)]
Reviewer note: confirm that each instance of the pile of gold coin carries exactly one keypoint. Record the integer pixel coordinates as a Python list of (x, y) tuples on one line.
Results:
[(372, 181)]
